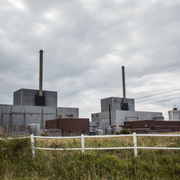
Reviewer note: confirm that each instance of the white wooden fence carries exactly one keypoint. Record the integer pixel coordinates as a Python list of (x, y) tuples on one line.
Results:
[(134, 135)]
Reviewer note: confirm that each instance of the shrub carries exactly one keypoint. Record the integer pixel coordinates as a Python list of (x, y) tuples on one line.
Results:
[(1, 135), (44, 134), (14, 147), (83, 131), (125, 131)]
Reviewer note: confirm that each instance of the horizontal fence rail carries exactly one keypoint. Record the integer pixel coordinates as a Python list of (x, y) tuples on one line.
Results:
[(10, 138), (83, 148)]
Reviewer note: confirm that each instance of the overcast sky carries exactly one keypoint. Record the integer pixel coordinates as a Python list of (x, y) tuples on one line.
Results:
[(85, 43)]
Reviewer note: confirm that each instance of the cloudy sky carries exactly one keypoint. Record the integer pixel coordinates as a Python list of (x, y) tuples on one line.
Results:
[(85, 43)]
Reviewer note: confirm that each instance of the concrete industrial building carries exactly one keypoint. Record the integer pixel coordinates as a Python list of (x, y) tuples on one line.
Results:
[(118, 116), (33, 106), (116, 110), (29, 97)]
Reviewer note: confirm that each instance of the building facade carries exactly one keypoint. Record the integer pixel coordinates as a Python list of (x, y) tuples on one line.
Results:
[(25, 110), (112, 114), (174, 115), (69, 126), (152, 126)]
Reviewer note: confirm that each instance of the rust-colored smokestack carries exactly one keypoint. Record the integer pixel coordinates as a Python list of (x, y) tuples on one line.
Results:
[(41, 73), (123, 82)]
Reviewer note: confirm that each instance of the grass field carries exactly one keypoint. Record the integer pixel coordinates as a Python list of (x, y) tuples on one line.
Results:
[(16, 161)]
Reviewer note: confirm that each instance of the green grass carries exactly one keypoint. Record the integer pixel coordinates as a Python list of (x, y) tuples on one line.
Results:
[(16, 161)]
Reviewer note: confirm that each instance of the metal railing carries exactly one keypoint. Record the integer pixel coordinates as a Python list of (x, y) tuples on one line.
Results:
[(83, 148)]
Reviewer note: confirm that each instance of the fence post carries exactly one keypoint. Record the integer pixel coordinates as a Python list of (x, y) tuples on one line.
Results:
[(135, 144), (32, 145), (82, 142)]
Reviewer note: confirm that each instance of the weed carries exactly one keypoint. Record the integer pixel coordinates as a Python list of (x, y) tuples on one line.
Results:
[(16, 161)]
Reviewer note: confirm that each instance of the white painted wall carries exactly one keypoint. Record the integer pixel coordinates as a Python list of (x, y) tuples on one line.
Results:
[(174, 115)]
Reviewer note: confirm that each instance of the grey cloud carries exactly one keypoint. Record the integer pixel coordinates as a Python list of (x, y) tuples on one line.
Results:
[(85, 44)]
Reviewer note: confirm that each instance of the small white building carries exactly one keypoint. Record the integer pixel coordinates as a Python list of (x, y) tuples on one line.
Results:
[(174, 115), (93, 126)]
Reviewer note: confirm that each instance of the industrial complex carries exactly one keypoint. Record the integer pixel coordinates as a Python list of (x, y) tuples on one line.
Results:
[(118, 113), (32, 108), (37, 111)]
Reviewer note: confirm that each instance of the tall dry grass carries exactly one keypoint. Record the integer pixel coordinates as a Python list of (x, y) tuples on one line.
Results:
[(110, 164)]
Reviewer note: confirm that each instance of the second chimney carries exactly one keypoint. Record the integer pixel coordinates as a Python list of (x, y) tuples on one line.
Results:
[(124, 105), (123, 82), (41, 73)]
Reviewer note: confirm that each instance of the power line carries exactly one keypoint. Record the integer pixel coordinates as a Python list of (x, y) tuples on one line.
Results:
[(120, 86), (98, 108), (156, 73), (92, 107), (157, 94), (160, 97), (162, 100)]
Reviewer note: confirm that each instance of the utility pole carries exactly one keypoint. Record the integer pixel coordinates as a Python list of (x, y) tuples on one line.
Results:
[(42, 119), (57, 124), (24, 117), (10, 119), (109, 114)]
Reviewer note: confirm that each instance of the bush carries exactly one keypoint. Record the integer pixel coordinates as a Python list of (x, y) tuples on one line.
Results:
[(11, 148), (44, 134), (83, 131), (1, 135), (123, 131)]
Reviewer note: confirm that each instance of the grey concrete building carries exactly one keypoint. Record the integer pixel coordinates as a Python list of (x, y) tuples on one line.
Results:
[(116, 110), (116, 116), (28, 97), (24, 110), (116, 104), (33, 106)]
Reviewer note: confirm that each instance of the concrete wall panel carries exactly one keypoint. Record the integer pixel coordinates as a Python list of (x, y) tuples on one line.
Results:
[(27, 97), (116, 104), (23, 115)]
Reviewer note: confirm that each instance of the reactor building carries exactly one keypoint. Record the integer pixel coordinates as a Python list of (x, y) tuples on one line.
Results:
[(117, 110), (32, 106)]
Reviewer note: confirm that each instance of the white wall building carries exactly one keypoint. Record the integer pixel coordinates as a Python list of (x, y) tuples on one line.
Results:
[(174, 115)]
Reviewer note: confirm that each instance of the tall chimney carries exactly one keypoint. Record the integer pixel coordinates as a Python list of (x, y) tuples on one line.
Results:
[(41, 73), (124, 88)]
